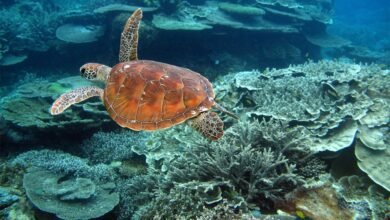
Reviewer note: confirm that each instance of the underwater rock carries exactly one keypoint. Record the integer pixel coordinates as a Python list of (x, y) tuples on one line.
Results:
[(73, 33), (69, 197)]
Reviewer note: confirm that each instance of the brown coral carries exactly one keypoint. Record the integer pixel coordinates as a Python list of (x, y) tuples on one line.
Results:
[(320, 203)]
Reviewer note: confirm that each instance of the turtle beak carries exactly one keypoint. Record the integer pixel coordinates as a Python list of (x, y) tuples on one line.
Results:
[(89, 70), (82, 72)]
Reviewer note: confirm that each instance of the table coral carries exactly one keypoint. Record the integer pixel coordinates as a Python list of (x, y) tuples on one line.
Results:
[(53, 193), (26, 108)]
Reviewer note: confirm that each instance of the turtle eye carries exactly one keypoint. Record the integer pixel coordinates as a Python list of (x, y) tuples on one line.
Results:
[(82, 70)]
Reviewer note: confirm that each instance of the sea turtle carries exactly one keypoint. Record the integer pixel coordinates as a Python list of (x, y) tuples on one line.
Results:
[(148, 95)]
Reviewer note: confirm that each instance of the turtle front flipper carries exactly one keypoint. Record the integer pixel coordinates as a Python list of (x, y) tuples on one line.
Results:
[(73, 97), (209, 125), (129, 37)]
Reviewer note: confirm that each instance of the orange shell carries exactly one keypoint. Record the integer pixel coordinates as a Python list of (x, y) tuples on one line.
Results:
[(148, 95)]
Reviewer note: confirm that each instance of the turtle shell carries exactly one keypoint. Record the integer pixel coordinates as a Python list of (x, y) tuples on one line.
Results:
[(149, 95)]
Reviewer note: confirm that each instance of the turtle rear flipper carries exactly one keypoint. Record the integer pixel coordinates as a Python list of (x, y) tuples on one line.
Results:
[(208, 124), (129, 38), (73, 97)]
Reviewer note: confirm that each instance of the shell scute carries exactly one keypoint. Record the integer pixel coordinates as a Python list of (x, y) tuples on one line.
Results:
[(150, 103), (148, 95), (151, 72), (173, 104)]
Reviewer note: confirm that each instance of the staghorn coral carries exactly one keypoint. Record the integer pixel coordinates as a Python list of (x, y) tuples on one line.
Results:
[(185, 197), (106, 147), (64, 163), (137, 192), (254, 168), (255, 174), (229, 174)]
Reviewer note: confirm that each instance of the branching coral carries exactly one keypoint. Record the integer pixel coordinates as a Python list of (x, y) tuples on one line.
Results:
[(188, 201), (254, 171), (64, 163), (105, 147), (250, 165)]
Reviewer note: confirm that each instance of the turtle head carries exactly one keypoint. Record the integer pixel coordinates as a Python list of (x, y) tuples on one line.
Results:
[(95, 71)]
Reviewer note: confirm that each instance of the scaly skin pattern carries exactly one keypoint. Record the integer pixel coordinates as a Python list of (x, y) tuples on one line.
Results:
[(95, 71), (73, 97), (148, 95), (129, 38), (209, 125)]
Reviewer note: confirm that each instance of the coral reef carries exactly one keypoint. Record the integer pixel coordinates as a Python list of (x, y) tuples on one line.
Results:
[(63, 196), (250, 158), (112, 146), (333, 103), (25, 110), (137, 192), (240, 10), (374, 162), (79, 33), (367, 199), (36, 21), (7, 197), (121, 8), (13, 204), (264, 16), (318, 203), (63, 163), (274, 157)]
